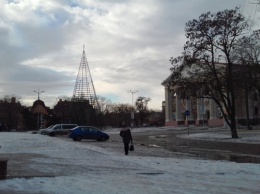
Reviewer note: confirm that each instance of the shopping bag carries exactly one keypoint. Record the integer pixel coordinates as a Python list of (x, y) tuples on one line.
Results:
[(131, 148)]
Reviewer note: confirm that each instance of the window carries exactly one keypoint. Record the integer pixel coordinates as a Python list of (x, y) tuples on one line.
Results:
[(68, 126), (84, 129), (93, 129), (57, 127)]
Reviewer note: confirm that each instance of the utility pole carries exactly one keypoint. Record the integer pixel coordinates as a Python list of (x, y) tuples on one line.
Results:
[(132, 113)]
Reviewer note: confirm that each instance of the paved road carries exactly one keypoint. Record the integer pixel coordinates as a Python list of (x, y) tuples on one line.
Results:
[(165, 143), (168, 140)]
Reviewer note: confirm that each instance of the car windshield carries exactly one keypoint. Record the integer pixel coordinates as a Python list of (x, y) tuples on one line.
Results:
[(92, 129), (57, 127)]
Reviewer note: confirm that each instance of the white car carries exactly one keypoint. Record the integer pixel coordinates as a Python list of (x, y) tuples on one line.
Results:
[(43, 131), (60, 129)]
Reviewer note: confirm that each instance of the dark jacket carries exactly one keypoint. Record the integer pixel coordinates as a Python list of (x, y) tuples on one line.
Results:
[(126, 135)]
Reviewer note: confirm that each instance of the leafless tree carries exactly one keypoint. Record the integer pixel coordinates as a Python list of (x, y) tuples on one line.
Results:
[(141, 104), (207, 59)]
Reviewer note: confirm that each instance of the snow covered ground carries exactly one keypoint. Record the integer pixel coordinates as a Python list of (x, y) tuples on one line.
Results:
[(244, 136), (60, 165)]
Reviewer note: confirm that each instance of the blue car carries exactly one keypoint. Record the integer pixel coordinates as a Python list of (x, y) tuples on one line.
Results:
[(87, 132)]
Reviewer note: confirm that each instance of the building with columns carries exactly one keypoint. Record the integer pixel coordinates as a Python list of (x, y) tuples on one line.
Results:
[(204, 111)]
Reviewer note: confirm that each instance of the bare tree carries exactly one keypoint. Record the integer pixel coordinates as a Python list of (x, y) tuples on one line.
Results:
[(104, 103), (207, 60), (247, 54), (141, 107), (10, 113), (117, 113)]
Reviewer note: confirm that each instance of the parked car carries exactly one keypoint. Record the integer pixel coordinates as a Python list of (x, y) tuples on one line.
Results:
[(60, 129), (43, 131), (87, 132)]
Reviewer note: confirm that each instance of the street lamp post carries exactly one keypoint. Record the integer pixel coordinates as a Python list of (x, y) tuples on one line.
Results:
[(132, 113), (39, 121), (38, 92)]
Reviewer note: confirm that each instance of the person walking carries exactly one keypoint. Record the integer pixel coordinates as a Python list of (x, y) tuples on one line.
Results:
[(125, 133)]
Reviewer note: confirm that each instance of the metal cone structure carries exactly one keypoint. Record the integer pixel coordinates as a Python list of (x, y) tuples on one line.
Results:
[(84, 88)]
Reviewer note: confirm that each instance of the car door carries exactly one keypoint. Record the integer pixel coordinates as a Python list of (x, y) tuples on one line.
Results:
[(66, 128), (93, 133), (57, 129), (85, 133)]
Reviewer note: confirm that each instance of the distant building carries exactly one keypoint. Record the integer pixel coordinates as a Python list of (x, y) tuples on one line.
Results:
[(78, 112), (40, 113)]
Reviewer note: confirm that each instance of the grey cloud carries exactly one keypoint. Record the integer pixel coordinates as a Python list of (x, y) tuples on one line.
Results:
[(128, 43), (25, 74)]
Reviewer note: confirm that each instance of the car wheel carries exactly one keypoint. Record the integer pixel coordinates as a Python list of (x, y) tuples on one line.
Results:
[(78, 138), (102, 139)]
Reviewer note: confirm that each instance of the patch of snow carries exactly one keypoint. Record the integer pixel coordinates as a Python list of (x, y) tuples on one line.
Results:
[(221, 136), (78, 167)]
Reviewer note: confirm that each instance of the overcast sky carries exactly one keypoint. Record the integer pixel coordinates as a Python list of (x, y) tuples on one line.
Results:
[(128, 44)]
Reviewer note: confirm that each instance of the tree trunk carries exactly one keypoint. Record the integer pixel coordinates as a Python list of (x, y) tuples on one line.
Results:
[(234, 133), (233, 126), (233, 116), (247, 111)]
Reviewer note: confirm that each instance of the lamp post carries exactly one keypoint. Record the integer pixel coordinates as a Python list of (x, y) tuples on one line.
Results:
[(38, 92), (132, 113), (39, 122)]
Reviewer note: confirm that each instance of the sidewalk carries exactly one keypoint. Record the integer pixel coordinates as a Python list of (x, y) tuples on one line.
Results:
[(221, 134)]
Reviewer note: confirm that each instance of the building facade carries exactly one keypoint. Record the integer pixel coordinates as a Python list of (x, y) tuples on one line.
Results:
[(204, 111)]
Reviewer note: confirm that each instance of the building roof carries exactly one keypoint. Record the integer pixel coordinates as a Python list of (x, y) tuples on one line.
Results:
[(39, 108), (166, 81)]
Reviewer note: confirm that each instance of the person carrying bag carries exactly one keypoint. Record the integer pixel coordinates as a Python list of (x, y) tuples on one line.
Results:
[(125, 133), (131, 148)]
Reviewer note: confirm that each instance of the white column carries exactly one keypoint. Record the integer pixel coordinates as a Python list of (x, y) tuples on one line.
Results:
[(189, 107), (213, 109), (199, 109), (170, 105), (167, 101)]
